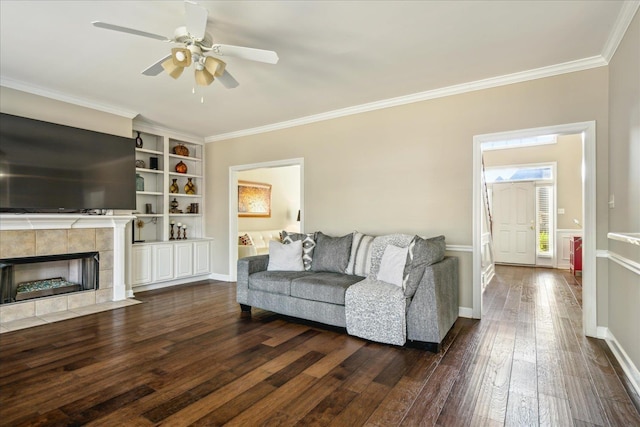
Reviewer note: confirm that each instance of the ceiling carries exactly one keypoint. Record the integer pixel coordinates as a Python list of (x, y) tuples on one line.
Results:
[(334, 55)]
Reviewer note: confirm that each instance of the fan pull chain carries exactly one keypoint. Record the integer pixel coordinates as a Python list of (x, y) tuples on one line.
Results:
[(193, 91)]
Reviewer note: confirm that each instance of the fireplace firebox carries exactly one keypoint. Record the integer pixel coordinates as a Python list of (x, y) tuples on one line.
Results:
[(40, 276)]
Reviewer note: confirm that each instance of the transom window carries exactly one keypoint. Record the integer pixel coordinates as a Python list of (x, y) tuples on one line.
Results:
[(524, 173), (520, 142)]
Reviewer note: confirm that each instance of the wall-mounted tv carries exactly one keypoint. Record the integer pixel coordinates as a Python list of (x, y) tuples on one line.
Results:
[(47, 167)]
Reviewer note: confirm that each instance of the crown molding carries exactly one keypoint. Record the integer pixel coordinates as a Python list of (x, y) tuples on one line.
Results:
[(47, 93), (152, 127), (627, 12), (537, 73)]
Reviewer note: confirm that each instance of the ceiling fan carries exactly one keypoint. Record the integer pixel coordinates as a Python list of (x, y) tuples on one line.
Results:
[(196, 42)]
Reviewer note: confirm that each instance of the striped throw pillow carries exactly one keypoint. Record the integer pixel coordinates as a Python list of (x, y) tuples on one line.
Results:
[(360, 259)]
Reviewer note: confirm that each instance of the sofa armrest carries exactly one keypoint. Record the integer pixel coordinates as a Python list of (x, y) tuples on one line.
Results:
[(434, 307), (246, 267)]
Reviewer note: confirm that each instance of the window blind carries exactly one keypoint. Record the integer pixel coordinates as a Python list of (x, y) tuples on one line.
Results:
[(543, 213)]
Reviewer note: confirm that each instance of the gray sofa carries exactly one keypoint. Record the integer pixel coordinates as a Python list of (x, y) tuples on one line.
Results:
[(319, 296)]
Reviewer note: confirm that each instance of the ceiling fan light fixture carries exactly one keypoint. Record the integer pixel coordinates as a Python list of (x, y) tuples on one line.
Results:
[(172, 69), (214, 66), (181, 57), (204, 78)]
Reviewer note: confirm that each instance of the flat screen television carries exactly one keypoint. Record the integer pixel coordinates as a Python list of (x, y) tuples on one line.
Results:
[(47, 167)]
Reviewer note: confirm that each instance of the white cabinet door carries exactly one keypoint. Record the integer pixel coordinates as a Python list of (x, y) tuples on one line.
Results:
[(184, 259), (201, 258), (140, 265), (163, 262)]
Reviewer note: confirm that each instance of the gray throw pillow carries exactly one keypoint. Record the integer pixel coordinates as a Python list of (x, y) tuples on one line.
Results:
[(308, 245), (331, 253), (422, 253)]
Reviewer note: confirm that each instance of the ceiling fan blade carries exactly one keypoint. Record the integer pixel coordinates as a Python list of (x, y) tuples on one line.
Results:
[(156, 68), (260, 55), (133, 31), (196, 19), (227, 80)]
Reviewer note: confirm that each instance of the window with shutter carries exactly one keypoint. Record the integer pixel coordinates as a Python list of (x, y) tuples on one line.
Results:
[(544, 237)]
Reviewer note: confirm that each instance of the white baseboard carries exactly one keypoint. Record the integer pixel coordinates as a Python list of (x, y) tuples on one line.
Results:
[(623, 358), (488, 275), (160, 285), (602, 332), (221, 277), (465, 312)]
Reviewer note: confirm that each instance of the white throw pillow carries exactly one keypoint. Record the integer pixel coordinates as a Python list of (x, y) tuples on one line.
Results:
[(285, 257), (392, 265)]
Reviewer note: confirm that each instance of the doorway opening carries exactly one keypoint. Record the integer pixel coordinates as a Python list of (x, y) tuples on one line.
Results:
[(522, 200), (586, 130), (287, 200)]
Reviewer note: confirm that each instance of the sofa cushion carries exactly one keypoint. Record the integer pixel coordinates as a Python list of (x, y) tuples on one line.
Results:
[(275, 282), (379, 245), (308, 245), (331, 253), (422, 253), (360, 259), (325, 287), (284, 257), (392, 265)]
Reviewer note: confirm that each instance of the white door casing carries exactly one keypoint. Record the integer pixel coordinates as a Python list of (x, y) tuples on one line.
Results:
[(589, 293), (514, 224), (233, 204)]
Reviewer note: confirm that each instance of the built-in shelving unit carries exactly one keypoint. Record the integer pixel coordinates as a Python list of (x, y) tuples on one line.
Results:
[(156, 259), (154, 198)]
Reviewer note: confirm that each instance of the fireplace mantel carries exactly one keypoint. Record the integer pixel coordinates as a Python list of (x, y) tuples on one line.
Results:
[(61, 221), (12, 223)]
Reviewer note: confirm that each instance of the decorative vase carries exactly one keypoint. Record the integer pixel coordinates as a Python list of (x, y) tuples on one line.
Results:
[(190, 187), (181, 168), (139, 182), (139, 142), (173, 188), (181, 150)]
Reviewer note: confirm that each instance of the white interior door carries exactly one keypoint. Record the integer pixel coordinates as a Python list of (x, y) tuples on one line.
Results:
[(514, 228)]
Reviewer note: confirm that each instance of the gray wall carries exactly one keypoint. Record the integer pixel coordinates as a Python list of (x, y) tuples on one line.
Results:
[(409, 168), (38, 107), (624, 183)]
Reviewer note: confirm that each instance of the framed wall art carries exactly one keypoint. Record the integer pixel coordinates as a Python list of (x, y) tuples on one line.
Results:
[(254, 199)]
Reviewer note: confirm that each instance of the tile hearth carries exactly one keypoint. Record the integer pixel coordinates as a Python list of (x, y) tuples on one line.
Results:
[(57, 316), (43, 235)]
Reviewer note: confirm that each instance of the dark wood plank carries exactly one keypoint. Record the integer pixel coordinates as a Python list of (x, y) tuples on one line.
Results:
[(187, 356)]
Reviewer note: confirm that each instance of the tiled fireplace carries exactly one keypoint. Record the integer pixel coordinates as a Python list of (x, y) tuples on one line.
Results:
[(31, 277), (23, 236)]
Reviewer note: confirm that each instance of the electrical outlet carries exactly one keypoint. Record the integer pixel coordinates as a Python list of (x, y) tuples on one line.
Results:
[(612, 201), (560, 211)]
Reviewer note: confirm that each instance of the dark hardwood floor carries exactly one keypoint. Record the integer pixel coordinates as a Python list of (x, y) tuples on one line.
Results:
[(186, 357)]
